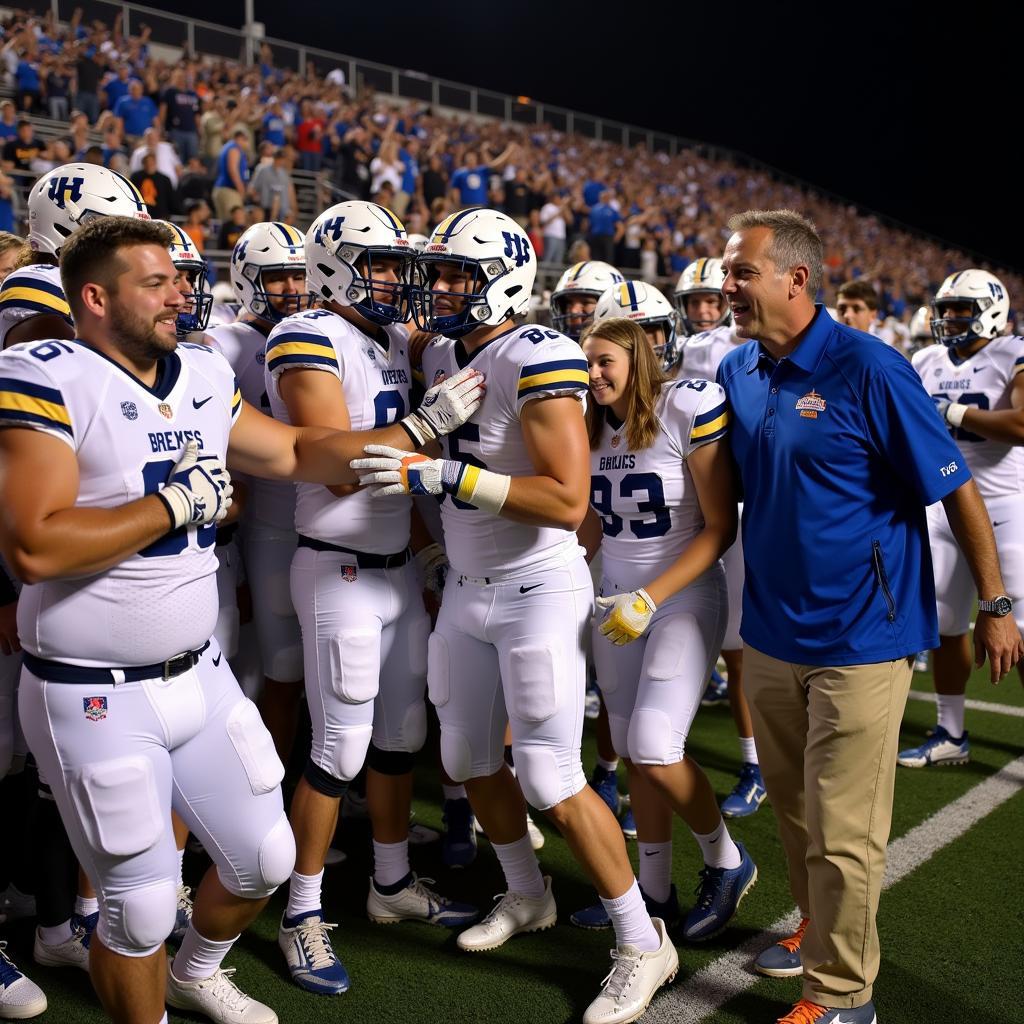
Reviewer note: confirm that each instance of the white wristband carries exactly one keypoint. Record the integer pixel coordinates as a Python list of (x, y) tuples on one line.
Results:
[(484, 489), (647, 597), (955, 413)]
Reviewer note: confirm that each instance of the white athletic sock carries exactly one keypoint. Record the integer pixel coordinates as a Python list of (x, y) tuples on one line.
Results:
[(519, 863), (390, 862), (181, 864), (304, 894), (749, 750), (951, 713), (608, 766), (86, 905), (631, 921), (199, 958), (718, 849), (54, 935), (656, 870), (454, 792)]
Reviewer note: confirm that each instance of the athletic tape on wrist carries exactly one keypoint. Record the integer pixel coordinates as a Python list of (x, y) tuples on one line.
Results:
[(482, 488), (955, 413)]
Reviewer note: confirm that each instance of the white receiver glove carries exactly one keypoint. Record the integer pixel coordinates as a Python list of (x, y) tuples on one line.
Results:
[(199, 490), (446, 406), (630, 615), (432, 567)]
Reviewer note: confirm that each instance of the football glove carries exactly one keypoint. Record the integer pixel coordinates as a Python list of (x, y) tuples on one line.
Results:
[(432, 567), (446, 406), (630, 615), (392, 471), (199, 490), (952, 412)]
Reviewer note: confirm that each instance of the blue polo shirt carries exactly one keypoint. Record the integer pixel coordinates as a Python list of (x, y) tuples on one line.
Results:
[(839, 450)]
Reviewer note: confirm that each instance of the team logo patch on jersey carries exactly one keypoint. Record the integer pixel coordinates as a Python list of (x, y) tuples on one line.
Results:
[(166, 411), (810, 405), (938, 372), (438, 377), (95, 708), (261, 358), (129, 410), (371, 355), (349, 574), (615, 440)]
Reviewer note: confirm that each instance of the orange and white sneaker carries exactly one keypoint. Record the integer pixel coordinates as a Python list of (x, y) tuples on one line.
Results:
[(783, 959)]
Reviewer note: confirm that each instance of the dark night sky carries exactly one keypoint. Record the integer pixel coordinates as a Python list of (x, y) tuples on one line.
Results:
[(902, 112)]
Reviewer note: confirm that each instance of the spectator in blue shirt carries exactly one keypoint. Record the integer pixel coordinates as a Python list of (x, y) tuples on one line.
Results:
[(274, 126), (839, 450), (8, 121), (135, 111), (26, 78), (470, 184), (117, 86), (179, 111), (606, 228)]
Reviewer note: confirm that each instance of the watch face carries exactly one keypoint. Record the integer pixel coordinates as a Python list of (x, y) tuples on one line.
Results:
[(1003, 606)]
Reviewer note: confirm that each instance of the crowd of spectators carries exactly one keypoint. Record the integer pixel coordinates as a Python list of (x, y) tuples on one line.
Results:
[(213, 143)]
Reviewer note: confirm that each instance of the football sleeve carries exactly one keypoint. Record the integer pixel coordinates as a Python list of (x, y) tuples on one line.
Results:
[(552, 370), (29, 397), (708, 418), (299, 342)]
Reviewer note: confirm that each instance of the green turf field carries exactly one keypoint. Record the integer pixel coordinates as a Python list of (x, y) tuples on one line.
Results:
[(952, 931)]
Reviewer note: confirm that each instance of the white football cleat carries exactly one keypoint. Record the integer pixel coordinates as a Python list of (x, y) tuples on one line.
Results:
[(218, 998), (513, 914), (634, 978), (535, 834)]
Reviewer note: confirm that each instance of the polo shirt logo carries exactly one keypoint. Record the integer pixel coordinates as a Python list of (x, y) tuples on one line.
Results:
[(810, 405)]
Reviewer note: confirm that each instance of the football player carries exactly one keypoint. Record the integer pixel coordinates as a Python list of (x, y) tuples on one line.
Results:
[(125, 701), (355, 589), (508, 645), (576, 293), (33, 308), (664, 498), (974, 376), (708, 322), (268, 273)]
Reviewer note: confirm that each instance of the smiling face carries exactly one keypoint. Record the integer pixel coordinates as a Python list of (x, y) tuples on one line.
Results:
[(757, 291), (704, 309), (145, 302), (453, 280), (609, 368)]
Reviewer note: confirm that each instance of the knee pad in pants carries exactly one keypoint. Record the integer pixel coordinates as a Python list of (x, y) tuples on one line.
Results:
[(138, 922), (273, 865)]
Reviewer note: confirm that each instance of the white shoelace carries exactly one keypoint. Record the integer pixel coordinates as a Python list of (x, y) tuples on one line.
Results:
[(624, 966), (225, 991), (316, 944)]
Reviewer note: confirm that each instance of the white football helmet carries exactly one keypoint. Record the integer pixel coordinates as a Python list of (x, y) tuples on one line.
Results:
[(645, 305), (498, 253), (268, 245), (342, 245), (920, 327), (702, 275), (590, 278), (186, 258), (71, 195), (989, 302)]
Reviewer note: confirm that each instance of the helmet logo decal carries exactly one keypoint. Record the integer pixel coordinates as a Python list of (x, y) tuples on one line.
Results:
[(65, 190), (240, 251), (331, 226), (995, 289), (517, 247)]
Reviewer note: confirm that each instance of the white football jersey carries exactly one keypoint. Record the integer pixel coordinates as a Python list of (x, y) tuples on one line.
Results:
[(375, 380), (703, 352), (31, 291), (523, 364), (127, 439), (646, 499), (244, 345), (984, 381)]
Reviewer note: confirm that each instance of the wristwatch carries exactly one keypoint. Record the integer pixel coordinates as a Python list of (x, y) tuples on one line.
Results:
[(998, 606)]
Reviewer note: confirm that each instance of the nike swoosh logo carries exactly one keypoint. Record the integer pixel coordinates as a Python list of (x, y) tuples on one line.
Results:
[(216, 661), (651, 853), (974, 369), (199, 405), (526, 590), (1003, 523), (713, 841)]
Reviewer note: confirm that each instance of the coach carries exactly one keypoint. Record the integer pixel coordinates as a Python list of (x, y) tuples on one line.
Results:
[(839, 450)]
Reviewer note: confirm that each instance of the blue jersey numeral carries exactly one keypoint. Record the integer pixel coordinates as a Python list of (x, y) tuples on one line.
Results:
[(388, 408), (154, 476), (630, 484)]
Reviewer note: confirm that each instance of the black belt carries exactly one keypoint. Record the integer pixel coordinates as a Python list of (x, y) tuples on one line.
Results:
[(62, 672), (361, 558), (226, 534)]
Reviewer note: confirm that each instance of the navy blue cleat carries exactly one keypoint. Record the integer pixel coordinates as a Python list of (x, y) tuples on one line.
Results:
[(748, 794), (716, 692), (595, 917), (606, 784), (306, 944), (718, 898)]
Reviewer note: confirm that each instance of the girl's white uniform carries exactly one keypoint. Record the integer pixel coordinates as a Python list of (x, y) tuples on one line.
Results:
[(649, 514)]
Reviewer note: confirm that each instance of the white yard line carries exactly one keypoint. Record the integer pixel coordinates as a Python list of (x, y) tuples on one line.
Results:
[(697, 997), (974, 705)]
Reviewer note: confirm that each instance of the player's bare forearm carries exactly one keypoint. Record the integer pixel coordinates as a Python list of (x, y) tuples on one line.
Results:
[(970, 524), (589, 534), (77, 542), (544, 501), (1006, 425), (700, 554)]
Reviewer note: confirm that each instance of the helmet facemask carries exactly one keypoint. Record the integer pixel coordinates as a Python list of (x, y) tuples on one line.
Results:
[(475, 308)]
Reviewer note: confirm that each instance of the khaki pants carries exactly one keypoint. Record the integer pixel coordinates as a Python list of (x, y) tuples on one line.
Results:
[(827, 739), (225, 200)]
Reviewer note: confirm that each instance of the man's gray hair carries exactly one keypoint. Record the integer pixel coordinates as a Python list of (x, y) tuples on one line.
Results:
[(795, 241)]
